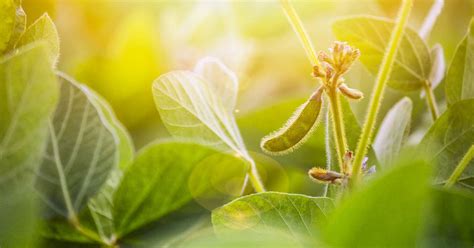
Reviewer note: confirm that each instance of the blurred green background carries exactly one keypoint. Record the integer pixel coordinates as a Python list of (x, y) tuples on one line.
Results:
[(118, 47)]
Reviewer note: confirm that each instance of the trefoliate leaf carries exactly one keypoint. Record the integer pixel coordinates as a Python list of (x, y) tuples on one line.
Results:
[(393, 132), (82, 151), (460, 77), (412, 64), (299, 216), (43, 29), (448, 140), (28, 94)]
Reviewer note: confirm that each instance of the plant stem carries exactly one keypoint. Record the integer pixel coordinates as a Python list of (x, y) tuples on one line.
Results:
[(255, 178), (460, 167), (376, 98), (338, 126), (430, 99), (300, 31)]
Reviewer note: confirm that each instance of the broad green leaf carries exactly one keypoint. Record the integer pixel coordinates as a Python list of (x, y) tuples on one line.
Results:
[(199, 105), (28, 94), (450, 222), (373, 217), (297, 129), (43, 29), (126, 147), (7, 25), (82, 151), (371, 35), (393, 132), (460, 77), (353, 131), (299, 216), (157, 182), (448, 140)]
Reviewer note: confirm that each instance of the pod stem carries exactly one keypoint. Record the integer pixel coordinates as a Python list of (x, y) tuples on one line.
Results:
[(460, 167), (380, 84), (338, 126), (430, 100)]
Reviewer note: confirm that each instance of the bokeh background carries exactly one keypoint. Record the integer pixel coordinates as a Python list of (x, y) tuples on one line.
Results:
[(118, 47)]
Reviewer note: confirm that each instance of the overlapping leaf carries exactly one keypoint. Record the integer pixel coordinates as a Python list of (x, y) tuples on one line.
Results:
[(12, 24), (157, 182), (42, 29), (199, 105), (412, 64), (82, 151), (393, 132), (297, 215), (28, 94), (460, 77), (448, 140)]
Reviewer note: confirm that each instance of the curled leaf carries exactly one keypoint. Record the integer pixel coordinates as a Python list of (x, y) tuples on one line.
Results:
[(297, 129)]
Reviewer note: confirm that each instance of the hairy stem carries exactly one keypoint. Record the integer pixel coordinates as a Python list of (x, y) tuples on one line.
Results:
[(255, 178), (430, 100), (460, 167), (300, 31), (338, 127), (376, 98)]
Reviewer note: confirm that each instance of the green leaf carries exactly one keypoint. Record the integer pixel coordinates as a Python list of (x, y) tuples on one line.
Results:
[(297, 215), (450, 222), (126, 147), (199, 105), (43, 29), (373, 217), (371, 35), (393, 132), (157, 182), (460, 77), (297, 129), (28, 94), (448, 140), (12, 24), (353, 131), (82, 151)]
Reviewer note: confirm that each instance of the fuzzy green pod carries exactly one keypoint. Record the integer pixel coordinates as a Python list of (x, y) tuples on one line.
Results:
[(297, 129)]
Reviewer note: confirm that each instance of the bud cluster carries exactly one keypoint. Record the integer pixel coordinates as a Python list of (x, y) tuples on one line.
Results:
[(336, 63)]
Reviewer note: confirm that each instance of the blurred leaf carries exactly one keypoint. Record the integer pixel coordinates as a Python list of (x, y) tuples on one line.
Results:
[(126, 147), (18, 212), (373, 217), (298, 128), (299, 216), (371, 34), (448, 140), (28, 94), (199, 105), (460, 77), (450, 222), (393, 132), (81, 152), (43, 29), (157, 182), (12, 24), (353, 131), (438, 67), (246, 239)]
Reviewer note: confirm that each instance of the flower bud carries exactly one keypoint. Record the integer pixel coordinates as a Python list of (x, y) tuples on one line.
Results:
[(324, 176)]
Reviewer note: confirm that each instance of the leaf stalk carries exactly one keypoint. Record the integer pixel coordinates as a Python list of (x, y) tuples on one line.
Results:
[(460, 167), (430, 100), (377, 95), (338, 126)]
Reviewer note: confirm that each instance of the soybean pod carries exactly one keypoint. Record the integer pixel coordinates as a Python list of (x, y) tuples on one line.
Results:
[(297, 129)]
